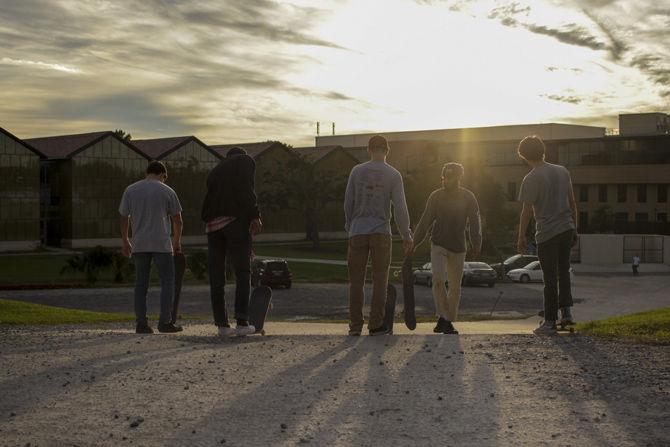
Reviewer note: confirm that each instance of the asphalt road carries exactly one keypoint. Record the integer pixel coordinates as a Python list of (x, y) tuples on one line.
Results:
[(301, 301)]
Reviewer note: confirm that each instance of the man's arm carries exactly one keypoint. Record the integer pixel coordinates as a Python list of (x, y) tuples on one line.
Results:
[(177, 227), (475, 225), (349, 196), (524, 220), (401, 214), (246, 191), (426, 221), (126, 247)]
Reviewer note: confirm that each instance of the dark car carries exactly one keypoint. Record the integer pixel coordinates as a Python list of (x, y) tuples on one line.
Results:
[(513, 262), (473, 273), (271, 272)]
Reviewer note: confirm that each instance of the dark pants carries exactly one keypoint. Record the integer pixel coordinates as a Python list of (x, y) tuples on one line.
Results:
[(554, 256), (635, 272), (235, 240), (165, 264)]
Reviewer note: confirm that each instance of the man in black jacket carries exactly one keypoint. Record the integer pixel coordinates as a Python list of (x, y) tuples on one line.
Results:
[(230, 212)]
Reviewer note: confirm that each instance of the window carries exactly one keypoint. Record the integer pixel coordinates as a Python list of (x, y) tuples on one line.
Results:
[(602, 193), (583, 193), (662, 217), (621, 217), (662, 194), (641, 217), (583, 219), (642, 193), (511, 191), (621, 193)]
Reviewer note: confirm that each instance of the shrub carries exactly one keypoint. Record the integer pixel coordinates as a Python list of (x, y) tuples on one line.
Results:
[(90, 262)]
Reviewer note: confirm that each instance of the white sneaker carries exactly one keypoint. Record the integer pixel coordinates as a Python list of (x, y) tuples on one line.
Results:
[(546, 328), (226, 331), (244, 330)]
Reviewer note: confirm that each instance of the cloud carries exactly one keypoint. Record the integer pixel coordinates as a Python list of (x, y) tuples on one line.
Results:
[(40, 64), (562, 98)]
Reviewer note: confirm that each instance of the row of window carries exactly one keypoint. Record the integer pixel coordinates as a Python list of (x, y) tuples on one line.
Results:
[(583, 192), (623, 217), (641, 191)]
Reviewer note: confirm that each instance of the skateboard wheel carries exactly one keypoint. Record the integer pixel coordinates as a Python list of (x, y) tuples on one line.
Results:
[(262, 331)]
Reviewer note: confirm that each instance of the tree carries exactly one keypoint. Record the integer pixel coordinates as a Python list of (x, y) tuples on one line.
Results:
[(123, 135), (301, 185), (499, 221)]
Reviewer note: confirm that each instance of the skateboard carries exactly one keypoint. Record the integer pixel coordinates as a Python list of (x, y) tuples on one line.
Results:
[(179, 270), (259, 304), (389, 310), (559, 326), (408, 293)]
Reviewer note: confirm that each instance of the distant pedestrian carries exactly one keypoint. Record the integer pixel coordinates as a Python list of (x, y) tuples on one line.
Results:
[(371, 189), (152, 209), (546, 193), (231, 215), (636, 264), (449, 212)]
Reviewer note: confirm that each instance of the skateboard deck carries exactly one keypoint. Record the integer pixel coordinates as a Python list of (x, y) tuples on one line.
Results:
[(179, 270), (259, 303), (389, 310), (408, 293)]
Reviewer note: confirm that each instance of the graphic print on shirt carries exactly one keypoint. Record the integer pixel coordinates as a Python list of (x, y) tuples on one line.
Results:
[(370, 193)]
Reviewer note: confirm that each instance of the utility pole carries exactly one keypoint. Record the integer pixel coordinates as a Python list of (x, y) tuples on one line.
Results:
[(333, 129), (318, 125)]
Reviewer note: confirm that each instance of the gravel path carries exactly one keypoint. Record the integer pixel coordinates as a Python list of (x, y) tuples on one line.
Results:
[(106, 386)]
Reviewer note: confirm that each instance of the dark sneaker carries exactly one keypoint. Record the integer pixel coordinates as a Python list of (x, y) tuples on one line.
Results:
[(449, 328), (143, 329), (441, 325), (379, 331), (169, 328), (355, 332), (566, 317), (547, 327)]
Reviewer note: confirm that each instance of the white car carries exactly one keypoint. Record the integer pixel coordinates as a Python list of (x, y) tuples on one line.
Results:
[(531, 272)]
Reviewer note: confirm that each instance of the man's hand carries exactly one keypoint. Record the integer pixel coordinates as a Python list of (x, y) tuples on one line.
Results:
[(126, 248), (256, 226), (521, 245), (575, 239), (176, 245), (476, 251), (408, 245)]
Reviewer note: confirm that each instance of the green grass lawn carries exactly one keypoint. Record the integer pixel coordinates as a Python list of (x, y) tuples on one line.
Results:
[(647, 327), (20, 313)]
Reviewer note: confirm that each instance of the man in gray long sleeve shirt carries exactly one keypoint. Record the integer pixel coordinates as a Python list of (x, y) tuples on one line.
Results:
[(371, 189), (448, 211)]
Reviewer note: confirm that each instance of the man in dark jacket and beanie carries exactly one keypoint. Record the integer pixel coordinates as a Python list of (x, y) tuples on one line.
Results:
[(230, 212)]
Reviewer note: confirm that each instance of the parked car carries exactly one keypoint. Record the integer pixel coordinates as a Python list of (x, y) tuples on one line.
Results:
[(473, 273), (531, 272), (513, 262), (271, 272)]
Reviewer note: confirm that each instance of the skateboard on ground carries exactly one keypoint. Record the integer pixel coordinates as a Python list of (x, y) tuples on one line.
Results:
[(559, 327), (389, 310), (179, 270), (259, 304), (408, 293)]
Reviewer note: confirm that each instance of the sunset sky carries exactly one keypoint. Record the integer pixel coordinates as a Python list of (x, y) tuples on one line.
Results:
[(253, 70)]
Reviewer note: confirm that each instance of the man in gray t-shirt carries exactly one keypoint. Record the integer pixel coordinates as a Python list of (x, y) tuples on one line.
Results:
[(153, 211), (546, 193)]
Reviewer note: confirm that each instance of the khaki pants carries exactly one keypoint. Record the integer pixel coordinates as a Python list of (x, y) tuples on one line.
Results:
[(378, 246), (446, 265)]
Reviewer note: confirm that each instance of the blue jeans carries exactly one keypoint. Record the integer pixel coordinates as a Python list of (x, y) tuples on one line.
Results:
[(165, 264)]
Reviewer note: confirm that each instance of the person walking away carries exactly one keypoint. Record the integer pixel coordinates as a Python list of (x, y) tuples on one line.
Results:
[(231, 215), (371, 189), (636, 264), (151, 208), (547, 195), (449, 211)]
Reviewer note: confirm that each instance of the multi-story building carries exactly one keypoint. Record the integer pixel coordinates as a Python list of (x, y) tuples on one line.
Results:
[(19, 194)]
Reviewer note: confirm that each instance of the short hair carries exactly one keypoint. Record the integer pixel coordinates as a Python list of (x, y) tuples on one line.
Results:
[(156, 168), (452, 169), (237, 150), (532, 148), (378, 144)]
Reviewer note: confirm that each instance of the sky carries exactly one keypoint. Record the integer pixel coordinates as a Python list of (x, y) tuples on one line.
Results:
[(234, 71)]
